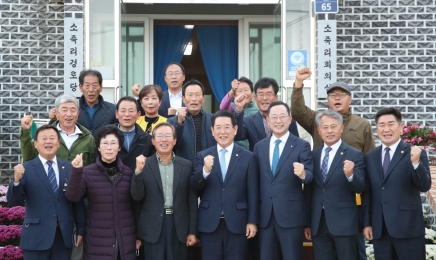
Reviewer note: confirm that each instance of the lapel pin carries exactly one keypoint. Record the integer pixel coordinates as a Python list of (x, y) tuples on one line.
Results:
[(342, 153), (402, 151), (63, 167), (237, 155), (291, 145)]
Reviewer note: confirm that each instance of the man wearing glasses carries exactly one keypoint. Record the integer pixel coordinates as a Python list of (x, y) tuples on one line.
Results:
[(168, 219), (172, 98), (357, 131)]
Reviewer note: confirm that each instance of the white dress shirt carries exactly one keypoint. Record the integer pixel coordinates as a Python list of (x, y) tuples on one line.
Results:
[(69, 139), (175, 99), (54, 165), (228, 155), (272, 145)]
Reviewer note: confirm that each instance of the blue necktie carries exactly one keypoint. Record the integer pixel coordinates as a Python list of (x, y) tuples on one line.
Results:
[(325, 163), (386, 161), (52, 177), (223, 163), (275, 158)]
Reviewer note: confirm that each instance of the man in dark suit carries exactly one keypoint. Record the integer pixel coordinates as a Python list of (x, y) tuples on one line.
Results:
[(172, 98), (168, 219), (49, 222), (284, 164), (338, 174), (396, 173), (255, 127), (226, 176)]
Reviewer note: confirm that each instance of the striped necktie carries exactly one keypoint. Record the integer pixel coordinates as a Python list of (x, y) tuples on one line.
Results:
[(52, 177)]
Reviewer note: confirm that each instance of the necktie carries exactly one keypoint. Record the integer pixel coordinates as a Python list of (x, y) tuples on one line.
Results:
[(223, 163), (52, 176), (325, 163), (266, 126), (275, 158), (386, 161)]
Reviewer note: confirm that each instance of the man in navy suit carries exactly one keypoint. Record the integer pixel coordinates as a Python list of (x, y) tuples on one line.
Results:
[(284, 163), (226, 176), (172, 98), (255, 127), (338, 174), (49, 222), (396, 173)]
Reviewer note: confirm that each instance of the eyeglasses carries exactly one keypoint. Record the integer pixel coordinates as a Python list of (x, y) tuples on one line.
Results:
[(267, 95), (327, 127), (161, 136), (106, 144), (220, 128), (175, 73), (340, 94), (275, 117)]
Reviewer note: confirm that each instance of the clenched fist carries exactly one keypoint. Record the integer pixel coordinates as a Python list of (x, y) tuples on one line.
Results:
[(18, 172), (135, 90), (26, 122), (235, 85), (78, 161), (348, 168), (140, 163), (240, 102), (299, 170), (301, 75), (415, 153), (208, 163), (181, 115), (52, 114)]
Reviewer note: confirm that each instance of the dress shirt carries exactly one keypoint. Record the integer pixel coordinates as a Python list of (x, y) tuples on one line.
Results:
[(54, 165), (69, 139), (167, 177), (332, 155), (228, 155), (175, 100), (272, 144), (392, 152)]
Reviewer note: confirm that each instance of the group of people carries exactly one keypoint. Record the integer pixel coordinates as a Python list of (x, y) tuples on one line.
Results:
[(124, 179)]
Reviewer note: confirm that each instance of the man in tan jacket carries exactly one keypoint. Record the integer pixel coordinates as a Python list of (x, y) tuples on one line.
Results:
[(357, 130)]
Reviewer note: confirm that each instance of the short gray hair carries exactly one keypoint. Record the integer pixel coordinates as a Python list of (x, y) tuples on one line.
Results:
[(66, 99), (330, 113)]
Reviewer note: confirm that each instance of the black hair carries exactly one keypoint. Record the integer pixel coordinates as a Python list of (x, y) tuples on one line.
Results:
[(192, 82), (389, 111), (149, 88), (279, 103), (223, 113), (107, 130), (266, 83), (248, 81), (174, 63), (89, 72), (45, 127), (128, 98)]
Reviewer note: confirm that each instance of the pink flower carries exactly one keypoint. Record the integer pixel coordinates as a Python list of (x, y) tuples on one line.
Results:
[(414, 127), (419, 139), (413, 140)]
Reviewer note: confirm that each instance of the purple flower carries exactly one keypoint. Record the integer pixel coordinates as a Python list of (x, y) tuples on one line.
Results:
[(11, 252)]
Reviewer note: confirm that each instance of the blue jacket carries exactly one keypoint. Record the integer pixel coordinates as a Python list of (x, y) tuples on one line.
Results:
[(44, 208), (104, 115), (185, 145)]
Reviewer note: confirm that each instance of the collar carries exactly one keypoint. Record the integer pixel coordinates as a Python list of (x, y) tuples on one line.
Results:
[(262, 115), (392, 147), (347, 117), (76, 130), (283, 138), (335, 146), (228, 148), (178, 94), (99, 100), (127, 131), (199, 113), (160, 160), (44, 161)]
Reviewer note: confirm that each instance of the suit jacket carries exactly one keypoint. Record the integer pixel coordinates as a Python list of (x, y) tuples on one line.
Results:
[(283, 193), (44, 208), (251, 128), (237, 195), (336, 194), (148, 186), (141, 144), (396, 197), (163, 108)]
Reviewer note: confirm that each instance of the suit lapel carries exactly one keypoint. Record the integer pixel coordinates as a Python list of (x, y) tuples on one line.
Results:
[(234, 159), (287, 150), (339, 156), (42, 174), (398, 155), (166, 100), (176, 174), (154, 166), (62, 175), (378, 162), (317, 165), (265, 154), (259, 126)]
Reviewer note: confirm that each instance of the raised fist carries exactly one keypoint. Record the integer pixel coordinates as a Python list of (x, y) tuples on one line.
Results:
[(348, 168), (78, 161), (181, 115), (240, 102), (18, 172), (135, 90), (302, 74), (140, 163), (208, 163), (415, 153), (52, 114), (299, 170), (26, 122)]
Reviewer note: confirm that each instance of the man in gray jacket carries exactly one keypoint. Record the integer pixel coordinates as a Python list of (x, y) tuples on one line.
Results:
[(168, 219)]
